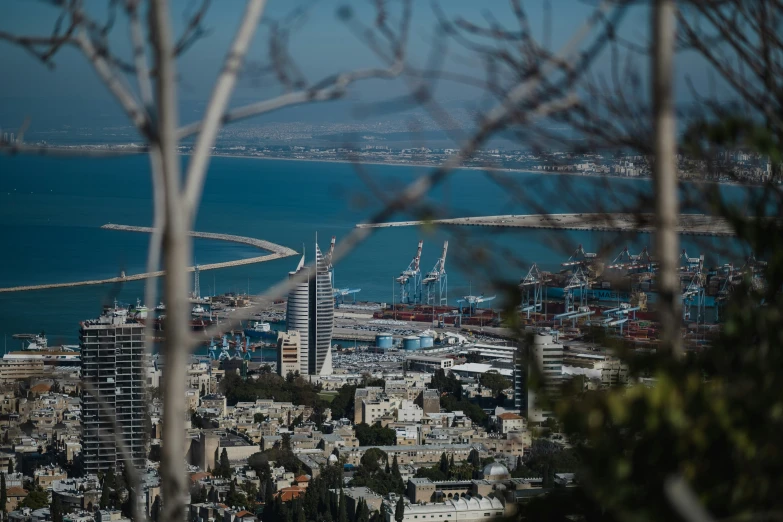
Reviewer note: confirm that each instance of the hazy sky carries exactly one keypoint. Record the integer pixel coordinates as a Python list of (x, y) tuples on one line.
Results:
[(321, 45)]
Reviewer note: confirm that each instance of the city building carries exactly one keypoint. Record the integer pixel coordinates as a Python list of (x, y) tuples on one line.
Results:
[(469, 509), (547, 355), (310, 311), (112, 350), (288, 352)]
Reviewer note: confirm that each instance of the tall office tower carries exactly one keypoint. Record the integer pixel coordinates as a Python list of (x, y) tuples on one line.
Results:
[(321, 317), (112, 350), (311, 311), (297, 315), (547, 355)]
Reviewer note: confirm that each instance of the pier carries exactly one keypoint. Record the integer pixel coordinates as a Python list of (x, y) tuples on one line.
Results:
[(277, 252), (688, 224)]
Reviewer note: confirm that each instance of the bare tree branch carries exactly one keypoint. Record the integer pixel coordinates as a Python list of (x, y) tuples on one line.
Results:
[(328, 89), (202, 152), (177, 248), (125, 98), (665, 175)]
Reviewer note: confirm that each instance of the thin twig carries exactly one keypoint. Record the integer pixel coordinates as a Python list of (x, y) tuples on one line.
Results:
[(221, 94)]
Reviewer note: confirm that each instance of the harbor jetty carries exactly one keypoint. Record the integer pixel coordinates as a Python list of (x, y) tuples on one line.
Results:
[(276, 252), (688, 224)]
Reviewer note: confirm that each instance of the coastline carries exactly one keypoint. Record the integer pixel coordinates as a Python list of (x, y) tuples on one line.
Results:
[(87, 148)]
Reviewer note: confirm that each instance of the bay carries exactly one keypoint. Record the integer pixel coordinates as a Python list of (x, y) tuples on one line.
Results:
[(51, 211)]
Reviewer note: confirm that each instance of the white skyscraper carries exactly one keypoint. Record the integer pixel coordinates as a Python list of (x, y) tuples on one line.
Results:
[(311, 311), (547, 355)]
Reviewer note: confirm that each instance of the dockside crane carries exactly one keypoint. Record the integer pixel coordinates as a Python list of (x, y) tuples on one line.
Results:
[(436, 280), (532, 289), (693, 291), (339, 294), (473, 302), (409, 280), (580, 259), (633, 263)]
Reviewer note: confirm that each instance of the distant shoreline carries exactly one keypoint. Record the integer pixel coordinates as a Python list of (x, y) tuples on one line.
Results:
[(88, 149), (473, 167)]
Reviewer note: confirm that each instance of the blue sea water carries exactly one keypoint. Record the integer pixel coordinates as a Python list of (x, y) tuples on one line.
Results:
[(51, 210)]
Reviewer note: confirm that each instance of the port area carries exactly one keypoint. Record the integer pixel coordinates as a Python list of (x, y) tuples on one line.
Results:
[(359, 325), (276, 252), (688, 224)]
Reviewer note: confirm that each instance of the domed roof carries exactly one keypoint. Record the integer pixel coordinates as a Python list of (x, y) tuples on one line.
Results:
[(332, 458), (494, 469)]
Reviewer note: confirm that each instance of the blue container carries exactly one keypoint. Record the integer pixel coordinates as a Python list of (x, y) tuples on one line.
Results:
[(411, 343), (384, 341), (426, 341)]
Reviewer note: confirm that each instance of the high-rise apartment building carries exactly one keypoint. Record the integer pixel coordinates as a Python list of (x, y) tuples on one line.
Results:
[(547, 355), (311, 312), (288, 352), (112, 352)]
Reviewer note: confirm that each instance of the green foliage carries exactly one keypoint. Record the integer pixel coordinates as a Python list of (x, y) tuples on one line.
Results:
[(270, 386), (446, 384), (472, 410), (3, 493), (444, 464), (495, 382), (317, 500), (474, 459), (282, 455), (375, 435), (712, 418), (56, 509), (343, 404), (259, 417), (10, 466), (223, 468), (434, 473), (546, 456), (234, 497), (399, 510), (342, 513), (36, 498), (372, 474)]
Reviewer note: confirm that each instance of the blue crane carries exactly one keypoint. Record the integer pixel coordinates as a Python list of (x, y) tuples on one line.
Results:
[(436, 280), (532, 288), (339, 294), (473, 302), (409, 280)]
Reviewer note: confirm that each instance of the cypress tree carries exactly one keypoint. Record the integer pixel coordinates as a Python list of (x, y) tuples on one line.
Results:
[(10, 466), (342, 510), (444, 464), (269, 491), (56, 509), (225, 465), (3, 494), (399, 511), (395, 468)]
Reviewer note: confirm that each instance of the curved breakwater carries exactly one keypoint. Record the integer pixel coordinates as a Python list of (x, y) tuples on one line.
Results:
[(277, 252)]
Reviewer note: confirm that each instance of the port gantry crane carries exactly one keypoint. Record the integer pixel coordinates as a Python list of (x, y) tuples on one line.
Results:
[(410, 280), (578, 264), (633, 264), (436, 280), (532, 289), (692, 282), (576, 285), (473, 302), (196, 283), (339, 293), (639, 267)]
